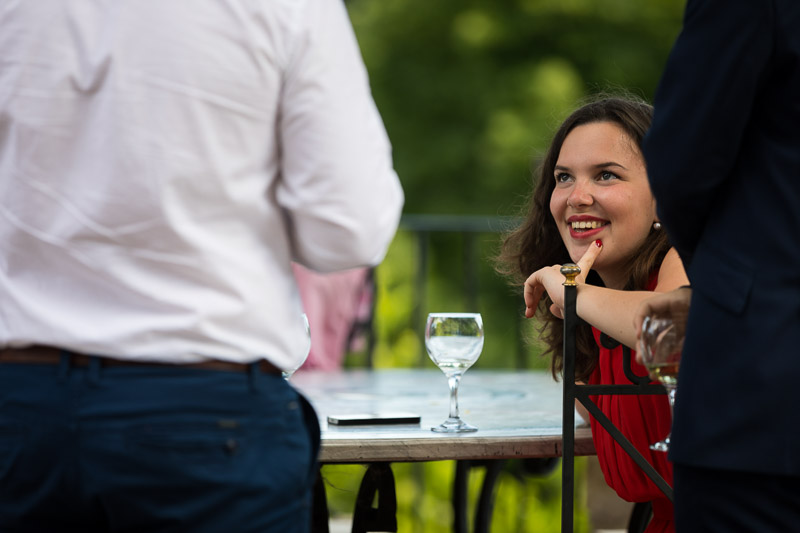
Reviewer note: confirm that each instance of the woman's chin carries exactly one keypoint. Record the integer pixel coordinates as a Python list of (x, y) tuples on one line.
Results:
[(575, 254)]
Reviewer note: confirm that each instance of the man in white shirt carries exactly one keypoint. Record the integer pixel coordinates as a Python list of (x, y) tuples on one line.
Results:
[(161, 164)]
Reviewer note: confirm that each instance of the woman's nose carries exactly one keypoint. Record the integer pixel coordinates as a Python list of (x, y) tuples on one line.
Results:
[(580, 196)]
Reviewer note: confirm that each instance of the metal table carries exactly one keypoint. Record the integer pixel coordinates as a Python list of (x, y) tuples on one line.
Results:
[(518, 413)]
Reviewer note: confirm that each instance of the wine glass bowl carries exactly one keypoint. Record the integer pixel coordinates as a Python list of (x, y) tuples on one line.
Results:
[(454, 342), (660, 345)]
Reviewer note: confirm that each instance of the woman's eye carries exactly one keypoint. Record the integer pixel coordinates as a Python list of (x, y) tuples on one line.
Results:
[(562, 177), (607, 176)]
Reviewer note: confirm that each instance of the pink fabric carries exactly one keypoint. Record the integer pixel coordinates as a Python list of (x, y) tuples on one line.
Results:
[(333, 303)]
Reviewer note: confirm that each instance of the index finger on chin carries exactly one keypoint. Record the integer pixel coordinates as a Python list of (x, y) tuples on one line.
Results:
[(589, 256)]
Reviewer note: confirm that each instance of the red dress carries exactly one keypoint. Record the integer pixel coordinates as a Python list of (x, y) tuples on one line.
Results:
[(643, 419)]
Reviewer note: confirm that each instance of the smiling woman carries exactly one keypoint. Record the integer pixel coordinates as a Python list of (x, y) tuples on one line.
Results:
[(601, 192), (592, 205), (544, 238)]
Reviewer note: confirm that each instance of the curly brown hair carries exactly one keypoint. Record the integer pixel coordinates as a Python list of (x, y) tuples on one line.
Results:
[(536, 242)]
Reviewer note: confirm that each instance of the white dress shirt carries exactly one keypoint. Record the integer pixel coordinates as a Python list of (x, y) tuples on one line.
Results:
[(162, 162)]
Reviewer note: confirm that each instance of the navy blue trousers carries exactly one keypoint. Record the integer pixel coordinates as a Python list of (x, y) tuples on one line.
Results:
[(153, 449), (712, 501)]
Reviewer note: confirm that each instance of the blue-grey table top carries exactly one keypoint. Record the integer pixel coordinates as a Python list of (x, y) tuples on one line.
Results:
[(518, 414)]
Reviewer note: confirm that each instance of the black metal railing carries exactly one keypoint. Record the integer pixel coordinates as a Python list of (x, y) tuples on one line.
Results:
[(469, 227), (573, 391)]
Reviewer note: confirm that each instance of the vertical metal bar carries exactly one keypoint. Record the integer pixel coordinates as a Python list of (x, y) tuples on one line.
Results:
[(319, 507), (483, 514), (371, 333), (422, 272), (470, 271), (570, 271), (460, 485)]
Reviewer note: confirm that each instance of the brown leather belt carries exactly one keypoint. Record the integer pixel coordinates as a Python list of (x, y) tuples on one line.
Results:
[(48, 355)]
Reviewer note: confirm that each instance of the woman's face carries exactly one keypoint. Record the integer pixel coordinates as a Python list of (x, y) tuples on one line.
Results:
[(601, 192)]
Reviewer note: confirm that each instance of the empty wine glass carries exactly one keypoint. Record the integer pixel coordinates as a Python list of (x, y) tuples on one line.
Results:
[(660, 345), (288, 373), (454, 342)]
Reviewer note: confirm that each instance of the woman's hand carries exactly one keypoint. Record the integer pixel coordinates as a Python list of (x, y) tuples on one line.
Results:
[(551, 280)]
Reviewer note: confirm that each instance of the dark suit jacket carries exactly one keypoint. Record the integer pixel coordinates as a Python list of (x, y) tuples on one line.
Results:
[(723, 156)]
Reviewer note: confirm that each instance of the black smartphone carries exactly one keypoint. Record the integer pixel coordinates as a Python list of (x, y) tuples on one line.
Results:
[(365, 419)]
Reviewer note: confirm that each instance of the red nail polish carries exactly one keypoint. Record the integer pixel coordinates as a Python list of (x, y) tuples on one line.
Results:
[(598, 243)]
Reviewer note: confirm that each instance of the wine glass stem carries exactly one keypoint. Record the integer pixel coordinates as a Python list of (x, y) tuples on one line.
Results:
[(453, 382)]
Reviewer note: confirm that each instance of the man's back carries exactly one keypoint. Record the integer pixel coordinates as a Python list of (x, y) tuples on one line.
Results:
[(724, 161), (161, 163)]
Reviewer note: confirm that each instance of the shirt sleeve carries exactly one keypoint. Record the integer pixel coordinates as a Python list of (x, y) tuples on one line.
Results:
[(703, 106), (338, 186)]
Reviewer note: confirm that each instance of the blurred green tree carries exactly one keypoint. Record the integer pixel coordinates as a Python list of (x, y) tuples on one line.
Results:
[(470, 90)]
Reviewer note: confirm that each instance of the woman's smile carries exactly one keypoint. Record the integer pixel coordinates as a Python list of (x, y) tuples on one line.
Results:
[(585, 227)]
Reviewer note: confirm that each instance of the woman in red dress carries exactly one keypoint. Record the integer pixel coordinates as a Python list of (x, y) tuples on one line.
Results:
[(592, 205)]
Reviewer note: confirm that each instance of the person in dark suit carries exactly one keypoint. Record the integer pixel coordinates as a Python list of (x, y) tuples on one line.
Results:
[(723, 159)]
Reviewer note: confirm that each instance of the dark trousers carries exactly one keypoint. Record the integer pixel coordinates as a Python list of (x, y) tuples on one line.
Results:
[(709, 500), (153, 449)]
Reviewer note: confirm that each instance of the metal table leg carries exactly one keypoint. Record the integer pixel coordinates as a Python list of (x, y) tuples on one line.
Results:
[(319, 506), (378, 480), (485, 505)]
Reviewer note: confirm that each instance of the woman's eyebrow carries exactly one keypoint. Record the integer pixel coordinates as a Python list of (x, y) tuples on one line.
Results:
[(610, 164), (598, 165)]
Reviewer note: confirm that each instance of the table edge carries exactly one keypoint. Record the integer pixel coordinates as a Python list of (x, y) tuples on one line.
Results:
[(341, 451)]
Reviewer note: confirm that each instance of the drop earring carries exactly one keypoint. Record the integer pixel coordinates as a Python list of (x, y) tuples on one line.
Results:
[(656, 225)]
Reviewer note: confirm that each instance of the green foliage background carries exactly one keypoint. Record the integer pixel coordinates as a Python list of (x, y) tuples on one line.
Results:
[(470, 92)]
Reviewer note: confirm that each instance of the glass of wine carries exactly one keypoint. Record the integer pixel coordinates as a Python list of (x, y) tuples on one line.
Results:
[(661, 344), (454, 342), (288, 373)]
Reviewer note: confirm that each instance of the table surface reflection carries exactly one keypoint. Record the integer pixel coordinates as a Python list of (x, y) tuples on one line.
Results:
[(518, 415)]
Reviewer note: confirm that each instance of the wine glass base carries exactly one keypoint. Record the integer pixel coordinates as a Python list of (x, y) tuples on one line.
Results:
[(662, 446), (454, 425)]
